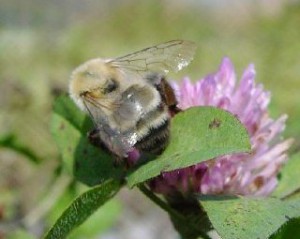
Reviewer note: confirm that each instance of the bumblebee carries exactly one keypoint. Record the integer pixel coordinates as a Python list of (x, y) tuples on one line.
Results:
[(128, 97)]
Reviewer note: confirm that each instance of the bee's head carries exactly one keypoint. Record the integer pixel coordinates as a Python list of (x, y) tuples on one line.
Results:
[(95, 80)]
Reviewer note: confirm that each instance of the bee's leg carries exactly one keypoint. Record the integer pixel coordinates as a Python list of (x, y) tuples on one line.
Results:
[(174, 109), (168, 96)]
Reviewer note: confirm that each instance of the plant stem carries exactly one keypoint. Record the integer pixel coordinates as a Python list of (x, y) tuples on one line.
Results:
[(185, 227)]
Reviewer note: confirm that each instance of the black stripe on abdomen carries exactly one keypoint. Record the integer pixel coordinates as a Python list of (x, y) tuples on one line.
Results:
[(156, 140)]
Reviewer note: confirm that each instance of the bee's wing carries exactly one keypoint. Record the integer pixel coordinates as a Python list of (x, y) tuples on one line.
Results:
[(162, 58)]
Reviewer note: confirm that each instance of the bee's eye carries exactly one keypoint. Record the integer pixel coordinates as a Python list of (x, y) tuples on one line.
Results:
[(111, 86)]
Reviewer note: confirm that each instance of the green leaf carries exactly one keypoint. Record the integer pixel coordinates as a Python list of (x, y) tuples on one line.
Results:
[(235, 218), (290, 230), (69, 127), (96, 224), (82, 207), (99, 222), (10, 141), (289, 181), (65, 107), (197, 134)]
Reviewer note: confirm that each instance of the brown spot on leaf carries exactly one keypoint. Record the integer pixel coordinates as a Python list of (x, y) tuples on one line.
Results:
[(214, 124)]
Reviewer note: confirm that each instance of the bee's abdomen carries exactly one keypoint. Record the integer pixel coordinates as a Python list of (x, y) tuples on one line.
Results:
[(153, 129)]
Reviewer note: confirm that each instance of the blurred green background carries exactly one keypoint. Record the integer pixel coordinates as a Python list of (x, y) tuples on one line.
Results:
[(41, 42)]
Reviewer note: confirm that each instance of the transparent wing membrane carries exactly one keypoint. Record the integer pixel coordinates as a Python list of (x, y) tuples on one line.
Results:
[(162, 58)]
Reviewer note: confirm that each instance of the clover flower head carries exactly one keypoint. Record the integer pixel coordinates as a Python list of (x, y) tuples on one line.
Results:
[(241, 174)]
